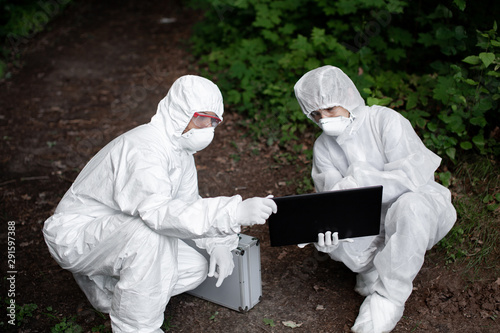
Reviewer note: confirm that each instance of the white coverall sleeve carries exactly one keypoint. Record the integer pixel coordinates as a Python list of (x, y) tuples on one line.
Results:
[(324, 174), (408, 163), (209, 244), (144, 187)]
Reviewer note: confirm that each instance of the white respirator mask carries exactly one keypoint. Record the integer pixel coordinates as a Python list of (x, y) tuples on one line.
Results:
[(197, 139), (334, 126)]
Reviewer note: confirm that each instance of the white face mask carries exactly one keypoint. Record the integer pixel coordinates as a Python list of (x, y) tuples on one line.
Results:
[(197, 139), (334, 126)]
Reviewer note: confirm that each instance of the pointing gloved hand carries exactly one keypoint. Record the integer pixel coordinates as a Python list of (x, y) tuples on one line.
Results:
[(329, 242), (223, 259), (255, 210)]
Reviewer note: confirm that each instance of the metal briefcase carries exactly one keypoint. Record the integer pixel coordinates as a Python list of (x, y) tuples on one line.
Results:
[(242, 290)]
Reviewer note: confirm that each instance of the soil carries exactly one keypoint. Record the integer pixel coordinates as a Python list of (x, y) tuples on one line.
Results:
[(99, 70)]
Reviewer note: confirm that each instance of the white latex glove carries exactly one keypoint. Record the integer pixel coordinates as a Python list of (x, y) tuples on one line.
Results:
[(223, 259), (345, 183), (329, 242), (255, 210)]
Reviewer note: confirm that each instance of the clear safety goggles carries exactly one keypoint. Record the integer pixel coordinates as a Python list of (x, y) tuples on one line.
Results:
[(204, 120), (327, 113)]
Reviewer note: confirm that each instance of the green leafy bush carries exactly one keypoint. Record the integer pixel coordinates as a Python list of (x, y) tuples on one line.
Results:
[(469, 93), (420, 58)]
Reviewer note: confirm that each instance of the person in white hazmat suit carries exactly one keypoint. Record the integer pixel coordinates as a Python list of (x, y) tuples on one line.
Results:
[(118, 229), (366, 146)]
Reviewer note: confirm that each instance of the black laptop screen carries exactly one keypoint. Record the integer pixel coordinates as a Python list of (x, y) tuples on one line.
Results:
[(352, 213)]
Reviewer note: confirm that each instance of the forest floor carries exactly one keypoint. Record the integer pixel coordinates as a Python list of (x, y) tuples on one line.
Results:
[(99, 70)]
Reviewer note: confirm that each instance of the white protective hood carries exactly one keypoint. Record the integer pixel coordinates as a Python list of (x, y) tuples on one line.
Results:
[(326, 87), (188, 94)]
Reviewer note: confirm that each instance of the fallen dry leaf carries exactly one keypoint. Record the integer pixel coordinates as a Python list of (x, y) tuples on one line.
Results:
[(282, 255), (291, 324)]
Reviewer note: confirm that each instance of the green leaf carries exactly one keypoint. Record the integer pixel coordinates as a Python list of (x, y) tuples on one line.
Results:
[(301, 43), (450, 119), (460, 4), (266, 17), (233, 97), (484, 104), (371, 101), (466, 145), (487, 198), (271, 35), (462, 99), (445, 178), (401, 36), (214, 316), (421, 122), (347, 7), (238, 69), (247, 96), (318, 36), (487, 58), (460, 33), (479, 140), (473, 60), (412, 101), (444, 88), (443, 33), (451, 153), (269, 322), (471, 82), (378, 101), (312, 63), (493, 73), (493, 206), (478, 121), (287, 29), (426, 39), (395, 54), (396, 6), (432, 127)]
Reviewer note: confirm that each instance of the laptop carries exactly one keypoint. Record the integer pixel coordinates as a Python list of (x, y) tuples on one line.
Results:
[(352, 213)]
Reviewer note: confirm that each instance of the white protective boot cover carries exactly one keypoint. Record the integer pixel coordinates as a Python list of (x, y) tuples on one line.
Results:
[(377, 315)]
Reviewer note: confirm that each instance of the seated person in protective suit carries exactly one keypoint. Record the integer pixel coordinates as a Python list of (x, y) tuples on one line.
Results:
[(365, 146)]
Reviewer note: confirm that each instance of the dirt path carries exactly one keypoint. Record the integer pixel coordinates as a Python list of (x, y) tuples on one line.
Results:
[(100, 70)]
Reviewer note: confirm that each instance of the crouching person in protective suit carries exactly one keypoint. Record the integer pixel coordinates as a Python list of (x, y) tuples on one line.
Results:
[(119, 227), (366, 146)]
